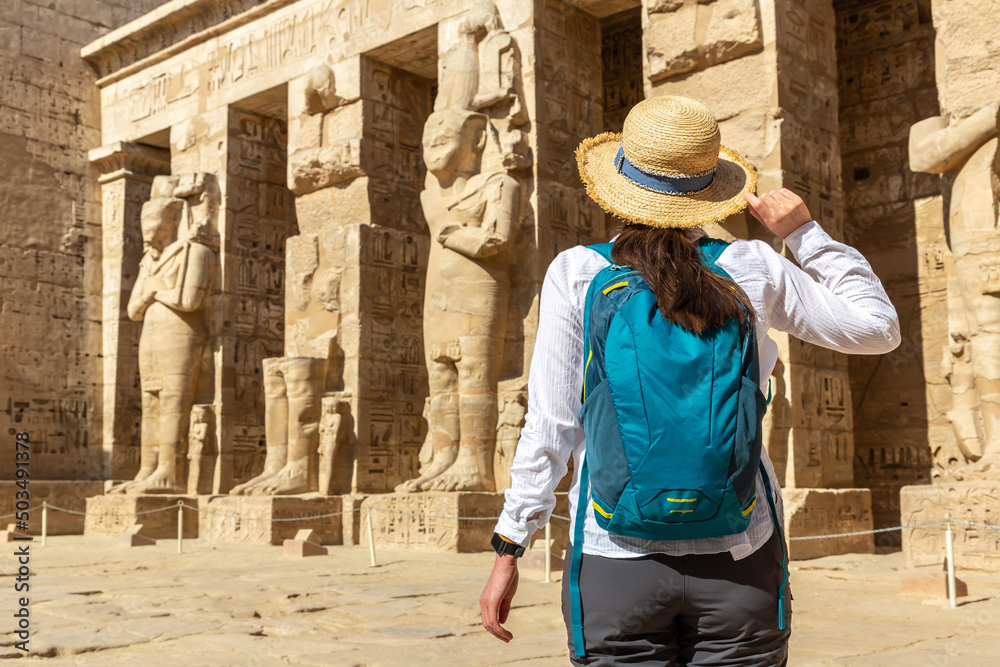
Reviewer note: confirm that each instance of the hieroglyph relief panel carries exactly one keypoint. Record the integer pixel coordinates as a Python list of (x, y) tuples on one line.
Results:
[(121, 204), (570, 110), (392, 382), (621, 66), (976, 547), (261, 217), (253, 56), (893, 216)]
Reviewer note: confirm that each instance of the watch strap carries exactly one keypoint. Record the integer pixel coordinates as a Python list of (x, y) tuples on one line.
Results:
[(505, 546)]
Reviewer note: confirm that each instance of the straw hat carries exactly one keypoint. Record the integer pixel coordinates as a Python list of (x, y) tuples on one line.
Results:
[(667, 168)]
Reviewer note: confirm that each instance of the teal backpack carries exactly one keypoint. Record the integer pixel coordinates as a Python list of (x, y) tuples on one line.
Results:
[(672, 421)]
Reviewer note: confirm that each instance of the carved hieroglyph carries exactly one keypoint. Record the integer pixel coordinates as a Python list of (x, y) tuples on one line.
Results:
[(434, 521), (175, 275), (471, 205), (976, 546), (966, 142)]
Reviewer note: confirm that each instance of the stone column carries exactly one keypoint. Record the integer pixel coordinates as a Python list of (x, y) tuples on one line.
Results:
[(326, 117), (961, 142), (202, 143), (769, 72), (126, 174)]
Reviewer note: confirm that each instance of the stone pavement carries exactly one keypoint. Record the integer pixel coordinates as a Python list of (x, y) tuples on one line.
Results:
[(95, 603)]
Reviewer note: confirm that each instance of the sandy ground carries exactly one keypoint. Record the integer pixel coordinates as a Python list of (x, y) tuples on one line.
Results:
[(95, 603)]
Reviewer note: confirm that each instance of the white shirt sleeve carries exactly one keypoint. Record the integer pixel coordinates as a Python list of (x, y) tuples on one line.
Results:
[(835, 300), (552, 424)]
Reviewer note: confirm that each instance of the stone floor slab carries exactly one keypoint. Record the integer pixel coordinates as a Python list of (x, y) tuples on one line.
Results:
[(233, 604)]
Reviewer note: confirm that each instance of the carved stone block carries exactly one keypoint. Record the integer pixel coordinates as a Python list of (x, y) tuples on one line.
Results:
[(311, 169), (135, 536), (432, 520), (65, 494), (113, 515), (976, 547), (303, 549), (827, 512), (684, 35), (352, 519), (263, 519), (10, 535)]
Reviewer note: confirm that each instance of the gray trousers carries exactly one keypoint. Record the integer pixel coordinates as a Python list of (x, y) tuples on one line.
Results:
[(697, 610)]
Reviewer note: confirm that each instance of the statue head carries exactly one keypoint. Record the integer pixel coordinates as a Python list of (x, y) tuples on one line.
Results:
[(182, 206), (160, 219), (453, 140), (479, 17)]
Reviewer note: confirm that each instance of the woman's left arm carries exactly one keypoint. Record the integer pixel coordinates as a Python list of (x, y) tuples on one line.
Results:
[(551, 431)]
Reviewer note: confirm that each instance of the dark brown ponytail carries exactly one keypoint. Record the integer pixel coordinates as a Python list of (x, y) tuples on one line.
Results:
[(687, 292)]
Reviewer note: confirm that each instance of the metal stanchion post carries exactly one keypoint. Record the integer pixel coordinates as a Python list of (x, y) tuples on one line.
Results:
[(45, 521), (949, 546), (180, 526), (548, 552), (371, 537)]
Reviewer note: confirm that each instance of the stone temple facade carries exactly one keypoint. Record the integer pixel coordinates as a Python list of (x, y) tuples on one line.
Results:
[(281, 258)]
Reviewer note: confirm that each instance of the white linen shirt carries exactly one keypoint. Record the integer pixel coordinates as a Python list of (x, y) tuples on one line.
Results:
[(835, 300)]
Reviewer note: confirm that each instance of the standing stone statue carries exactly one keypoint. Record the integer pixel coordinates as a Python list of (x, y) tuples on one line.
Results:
[(965, 142), (175, 274), (334, 436), (471, 204), (199, 432), (471, 218), (293, 390)]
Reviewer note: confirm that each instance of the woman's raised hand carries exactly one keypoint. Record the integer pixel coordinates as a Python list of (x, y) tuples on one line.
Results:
[(782, 211)]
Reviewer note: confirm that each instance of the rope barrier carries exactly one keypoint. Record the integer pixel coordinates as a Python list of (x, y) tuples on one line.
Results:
[(14, 514), (481, 518), (435, 516), (254, 518), (973, 523), (869, 532)]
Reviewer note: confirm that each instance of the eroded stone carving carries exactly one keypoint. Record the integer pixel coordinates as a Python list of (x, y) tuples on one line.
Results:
[(311, 169), (513, 406), (471, 217), (305, 421), (684, 35), (199, 448), (976, 547), (175, 275), (321, 90), (292, 390), (965, 142), (470, 207), (482, 72), (334, 437)]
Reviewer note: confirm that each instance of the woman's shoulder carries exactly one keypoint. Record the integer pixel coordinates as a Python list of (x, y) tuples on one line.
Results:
[(747, 259), (572, 270), (579, 262)]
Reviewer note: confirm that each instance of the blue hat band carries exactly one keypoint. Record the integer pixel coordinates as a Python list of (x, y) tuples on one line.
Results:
[(668, 185)]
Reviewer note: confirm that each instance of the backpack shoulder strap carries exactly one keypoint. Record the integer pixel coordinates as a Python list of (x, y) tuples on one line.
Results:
[(602, 249), (781, 538), (712, 249)]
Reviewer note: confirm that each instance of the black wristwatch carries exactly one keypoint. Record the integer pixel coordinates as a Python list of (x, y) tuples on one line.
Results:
[(505, 548)]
